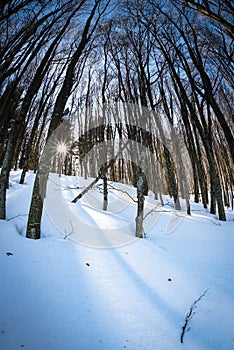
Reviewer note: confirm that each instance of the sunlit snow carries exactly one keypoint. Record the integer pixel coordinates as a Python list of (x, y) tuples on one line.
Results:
[(70, 291)]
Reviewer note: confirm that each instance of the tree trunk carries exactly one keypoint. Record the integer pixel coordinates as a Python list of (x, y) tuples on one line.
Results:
[(171, 178), (140, 209), (34, 225), (6, 167), (105, 193)]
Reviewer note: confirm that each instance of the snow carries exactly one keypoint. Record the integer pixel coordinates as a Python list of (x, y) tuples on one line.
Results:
[(90, 284)]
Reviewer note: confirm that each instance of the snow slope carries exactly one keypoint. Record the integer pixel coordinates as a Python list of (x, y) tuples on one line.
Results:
[(79, 288)]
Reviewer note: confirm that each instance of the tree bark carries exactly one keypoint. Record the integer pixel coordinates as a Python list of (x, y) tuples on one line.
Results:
[(140, 210), (34, 225)]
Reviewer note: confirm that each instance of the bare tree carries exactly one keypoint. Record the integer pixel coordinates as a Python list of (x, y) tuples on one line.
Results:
[(20, 118), (221, 11), (34, 220)]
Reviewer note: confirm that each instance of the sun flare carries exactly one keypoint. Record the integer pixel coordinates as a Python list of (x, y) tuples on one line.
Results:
[(62, 148)]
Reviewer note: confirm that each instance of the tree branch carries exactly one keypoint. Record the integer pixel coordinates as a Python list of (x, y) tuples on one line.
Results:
[(190, 315)]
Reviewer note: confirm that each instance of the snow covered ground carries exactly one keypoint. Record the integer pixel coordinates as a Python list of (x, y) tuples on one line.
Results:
[(89, 284)]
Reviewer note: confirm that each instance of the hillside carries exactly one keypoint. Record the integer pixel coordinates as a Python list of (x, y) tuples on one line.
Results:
[(90, 284)]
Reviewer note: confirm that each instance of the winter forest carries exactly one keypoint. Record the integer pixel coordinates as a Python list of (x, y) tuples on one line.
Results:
[(117, 123)]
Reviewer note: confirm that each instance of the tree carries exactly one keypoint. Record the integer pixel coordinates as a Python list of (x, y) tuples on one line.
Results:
[(26, 103), (34, 220), (221, 11), (178, 41)]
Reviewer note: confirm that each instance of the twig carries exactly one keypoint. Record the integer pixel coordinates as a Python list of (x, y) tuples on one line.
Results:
[(66, 187), (153, 209), (170, 204), (70, 233), (177, 213), (16, 216), (190, 315), (125, 192)]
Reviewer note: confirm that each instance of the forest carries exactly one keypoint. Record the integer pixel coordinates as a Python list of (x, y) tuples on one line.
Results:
[(139, 92), (116, 174)]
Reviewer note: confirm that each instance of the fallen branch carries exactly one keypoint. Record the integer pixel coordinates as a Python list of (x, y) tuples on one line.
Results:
[(86, 189), (100, 174), (189, 316)]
